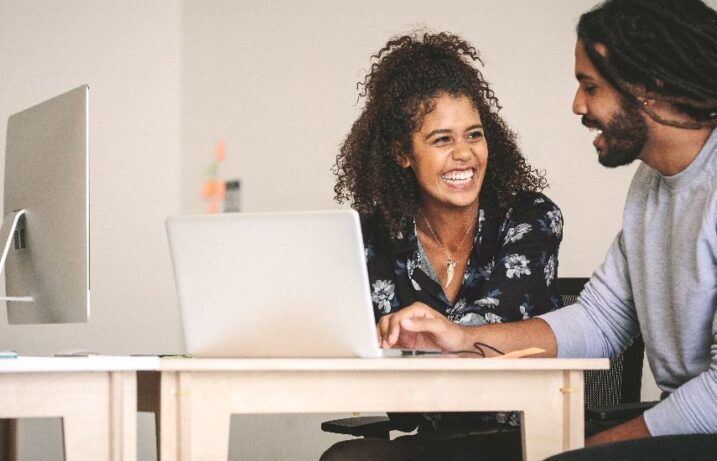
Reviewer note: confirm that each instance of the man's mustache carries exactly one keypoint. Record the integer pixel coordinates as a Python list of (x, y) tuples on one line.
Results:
[(591, 123)]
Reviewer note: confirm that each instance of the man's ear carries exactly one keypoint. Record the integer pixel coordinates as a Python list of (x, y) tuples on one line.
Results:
[(401, 157), (640, 91)]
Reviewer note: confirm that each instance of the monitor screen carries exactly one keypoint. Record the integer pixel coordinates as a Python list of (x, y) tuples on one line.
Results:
[(46, 229)]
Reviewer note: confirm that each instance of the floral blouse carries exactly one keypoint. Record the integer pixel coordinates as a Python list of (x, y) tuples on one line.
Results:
[(510, 275)]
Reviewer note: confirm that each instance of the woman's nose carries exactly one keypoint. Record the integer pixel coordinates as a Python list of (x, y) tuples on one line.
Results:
[(463, 150)]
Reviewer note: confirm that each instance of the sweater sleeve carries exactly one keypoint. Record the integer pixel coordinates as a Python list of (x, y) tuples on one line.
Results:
[(692, 408), (603, 322)]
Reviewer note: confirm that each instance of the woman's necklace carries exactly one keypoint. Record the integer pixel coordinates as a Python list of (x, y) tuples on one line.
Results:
[(450, 262)]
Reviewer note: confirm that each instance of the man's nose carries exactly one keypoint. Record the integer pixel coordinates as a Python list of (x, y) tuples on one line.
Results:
[(579, 106)]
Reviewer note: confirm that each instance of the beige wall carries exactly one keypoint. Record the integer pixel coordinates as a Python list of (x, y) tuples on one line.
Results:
[(129, 54), (276, 81)]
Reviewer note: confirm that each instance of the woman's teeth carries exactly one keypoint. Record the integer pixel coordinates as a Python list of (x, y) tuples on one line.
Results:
[(457, 177)]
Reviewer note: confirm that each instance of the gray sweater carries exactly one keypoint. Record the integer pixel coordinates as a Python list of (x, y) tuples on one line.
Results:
[(659, 279)]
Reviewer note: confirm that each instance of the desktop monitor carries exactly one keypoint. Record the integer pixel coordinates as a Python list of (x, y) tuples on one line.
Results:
[(45, 235)]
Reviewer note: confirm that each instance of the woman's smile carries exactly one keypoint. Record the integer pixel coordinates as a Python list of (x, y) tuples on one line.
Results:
[(459, 178), (449, 153)]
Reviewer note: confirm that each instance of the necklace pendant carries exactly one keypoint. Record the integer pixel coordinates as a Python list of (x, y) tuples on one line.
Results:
[(450, 266)]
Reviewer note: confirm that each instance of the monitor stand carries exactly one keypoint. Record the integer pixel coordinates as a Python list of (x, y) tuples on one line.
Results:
[(13, 228)]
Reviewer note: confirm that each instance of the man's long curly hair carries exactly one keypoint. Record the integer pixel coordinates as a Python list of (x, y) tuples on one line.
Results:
[(407, 76), (659, 49)]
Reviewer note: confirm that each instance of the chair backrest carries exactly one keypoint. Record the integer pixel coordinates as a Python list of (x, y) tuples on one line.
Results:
[(622, 382)]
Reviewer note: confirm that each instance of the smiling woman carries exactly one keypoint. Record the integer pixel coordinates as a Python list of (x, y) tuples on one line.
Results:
[(409, 74), (452, 218), (449, 154)]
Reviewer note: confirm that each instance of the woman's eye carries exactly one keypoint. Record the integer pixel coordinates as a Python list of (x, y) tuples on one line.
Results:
[(442, 140), (475, 135), (590, 89)]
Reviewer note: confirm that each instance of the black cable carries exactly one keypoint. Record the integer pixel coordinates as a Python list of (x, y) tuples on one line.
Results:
[(480, 352)]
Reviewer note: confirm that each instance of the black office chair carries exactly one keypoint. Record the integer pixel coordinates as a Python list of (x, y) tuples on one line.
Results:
[(611, 396)]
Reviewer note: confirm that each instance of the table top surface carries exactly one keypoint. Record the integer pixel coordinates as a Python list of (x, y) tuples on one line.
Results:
[(389, 364), (26, 364)]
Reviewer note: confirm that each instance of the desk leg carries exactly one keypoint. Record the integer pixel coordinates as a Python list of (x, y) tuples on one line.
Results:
[(123, 417), (555, 424), (187, 428), (541, 433), (573, 409), (167, 427), (203, 422), (101, 426)]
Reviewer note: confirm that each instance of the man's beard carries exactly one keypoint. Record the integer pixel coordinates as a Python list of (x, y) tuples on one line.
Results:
[(625, 134)]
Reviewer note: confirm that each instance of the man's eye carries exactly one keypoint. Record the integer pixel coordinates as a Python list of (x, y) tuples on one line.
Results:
[(590, 89)]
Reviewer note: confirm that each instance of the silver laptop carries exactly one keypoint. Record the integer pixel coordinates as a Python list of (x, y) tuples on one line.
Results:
[(290, 284)]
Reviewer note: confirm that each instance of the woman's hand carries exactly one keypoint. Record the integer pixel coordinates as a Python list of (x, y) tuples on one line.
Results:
[(420, 327)]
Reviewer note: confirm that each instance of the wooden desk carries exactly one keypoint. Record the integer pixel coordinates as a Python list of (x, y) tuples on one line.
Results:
[(194, 398), (95, 397)]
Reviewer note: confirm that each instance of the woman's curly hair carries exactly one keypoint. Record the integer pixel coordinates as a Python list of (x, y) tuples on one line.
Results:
[(408, 74)]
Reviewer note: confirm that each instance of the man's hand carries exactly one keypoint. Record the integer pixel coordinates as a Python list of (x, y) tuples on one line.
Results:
[(633, 429), (420, 327)]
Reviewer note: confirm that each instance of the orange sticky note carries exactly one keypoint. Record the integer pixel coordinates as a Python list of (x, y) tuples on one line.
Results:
[(220, 189), (219, 152), (207, 189)]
